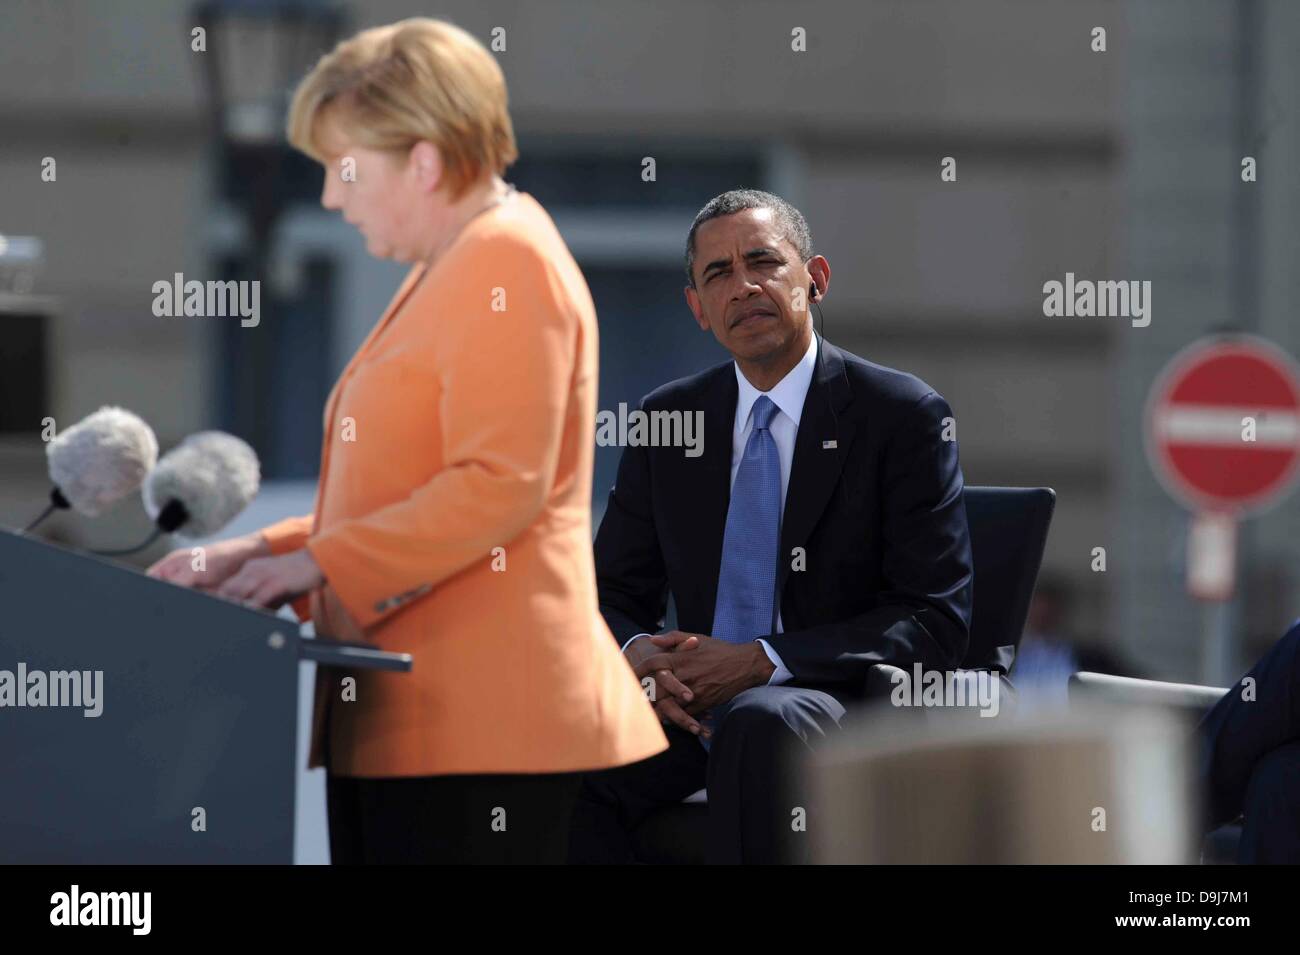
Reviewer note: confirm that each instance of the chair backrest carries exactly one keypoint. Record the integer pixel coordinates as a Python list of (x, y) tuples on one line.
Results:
[(1122, 689), (1008, 531)]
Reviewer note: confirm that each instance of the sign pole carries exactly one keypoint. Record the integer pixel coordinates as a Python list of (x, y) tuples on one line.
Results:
[(1219, 643), (1212, 579)]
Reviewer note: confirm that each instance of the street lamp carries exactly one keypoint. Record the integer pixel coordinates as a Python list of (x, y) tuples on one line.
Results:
[(256, 50), (254, 53)]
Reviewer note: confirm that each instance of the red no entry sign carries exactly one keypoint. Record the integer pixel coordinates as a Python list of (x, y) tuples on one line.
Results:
[(1223, 424)]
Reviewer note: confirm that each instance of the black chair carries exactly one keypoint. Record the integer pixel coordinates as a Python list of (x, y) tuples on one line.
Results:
[(1008, 531)]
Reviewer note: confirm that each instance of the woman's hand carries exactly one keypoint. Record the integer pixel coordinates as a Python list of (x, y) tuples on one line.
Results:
[(215, 563), (272, 581)]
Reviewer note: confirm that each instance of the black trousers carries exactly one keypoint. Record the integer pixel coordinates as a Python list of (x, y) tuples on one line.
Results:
[(492, 819), (754, 795), (1250, 756)]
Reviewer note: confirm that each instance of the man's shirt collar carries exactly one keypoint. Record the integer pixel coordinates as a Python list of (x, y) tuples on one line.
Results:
[(788, 394)]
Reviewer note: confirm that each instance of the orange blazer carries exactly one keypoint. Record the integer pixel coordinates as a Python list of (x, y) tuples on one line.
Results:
[(453, 521)]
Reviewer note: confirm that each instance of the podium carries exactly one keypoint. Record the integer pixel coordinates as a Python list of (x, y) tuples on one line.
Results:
[(191, 756)]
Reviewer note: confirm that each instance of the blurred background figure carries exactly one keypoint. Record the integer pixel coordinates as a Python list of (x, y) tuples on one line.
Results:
[(1049, 652)]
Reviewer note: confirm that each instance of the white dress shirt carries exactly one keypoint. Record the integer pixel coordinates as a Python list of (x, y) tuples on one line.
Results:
[(788, 395)]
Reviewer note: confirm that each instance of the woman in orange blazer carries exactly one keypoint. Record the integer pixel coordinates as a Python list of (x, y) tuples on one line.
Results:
[(453, 515)]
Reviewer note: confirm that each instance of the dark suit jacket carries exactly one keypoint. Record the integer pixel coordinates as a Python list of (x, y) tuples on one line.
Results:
[(880, 518)]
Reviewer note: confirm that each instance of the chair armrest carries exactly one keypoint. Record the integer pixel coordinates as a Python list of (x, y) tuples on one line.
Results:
[(881, 680), (1123, 689)]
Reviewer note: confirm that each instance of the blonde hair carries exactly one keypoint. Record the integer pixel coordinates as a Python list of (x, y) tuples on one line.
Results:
[(419, 79)]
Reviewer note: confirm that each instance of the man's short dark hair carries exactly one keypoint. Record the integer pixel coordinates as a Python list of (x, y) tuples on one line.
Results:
[(791, 221)]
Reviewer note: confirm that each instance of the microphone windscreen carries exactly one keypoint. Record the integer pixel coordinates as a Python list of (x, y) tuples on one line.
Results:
[(213, 475), (101, 458)]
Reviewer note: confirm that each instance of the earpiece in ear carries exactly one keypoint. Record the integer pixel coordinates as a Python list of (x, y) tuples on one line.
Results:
[(813, 291)]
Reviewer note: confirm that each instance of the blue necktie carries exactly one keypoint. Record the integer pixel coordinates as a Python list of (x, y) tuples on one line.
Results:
[(745, 608), (747, 577)]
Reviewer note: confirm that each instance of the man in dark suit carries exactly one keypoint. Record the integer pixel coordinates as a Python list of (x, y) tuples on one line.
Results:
[(821, 531), (1250, 757)]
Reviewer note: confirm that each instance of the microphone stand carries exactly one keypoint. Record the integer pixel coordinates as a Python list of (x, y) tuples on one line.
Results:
[(172, 516), (57, 502)]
